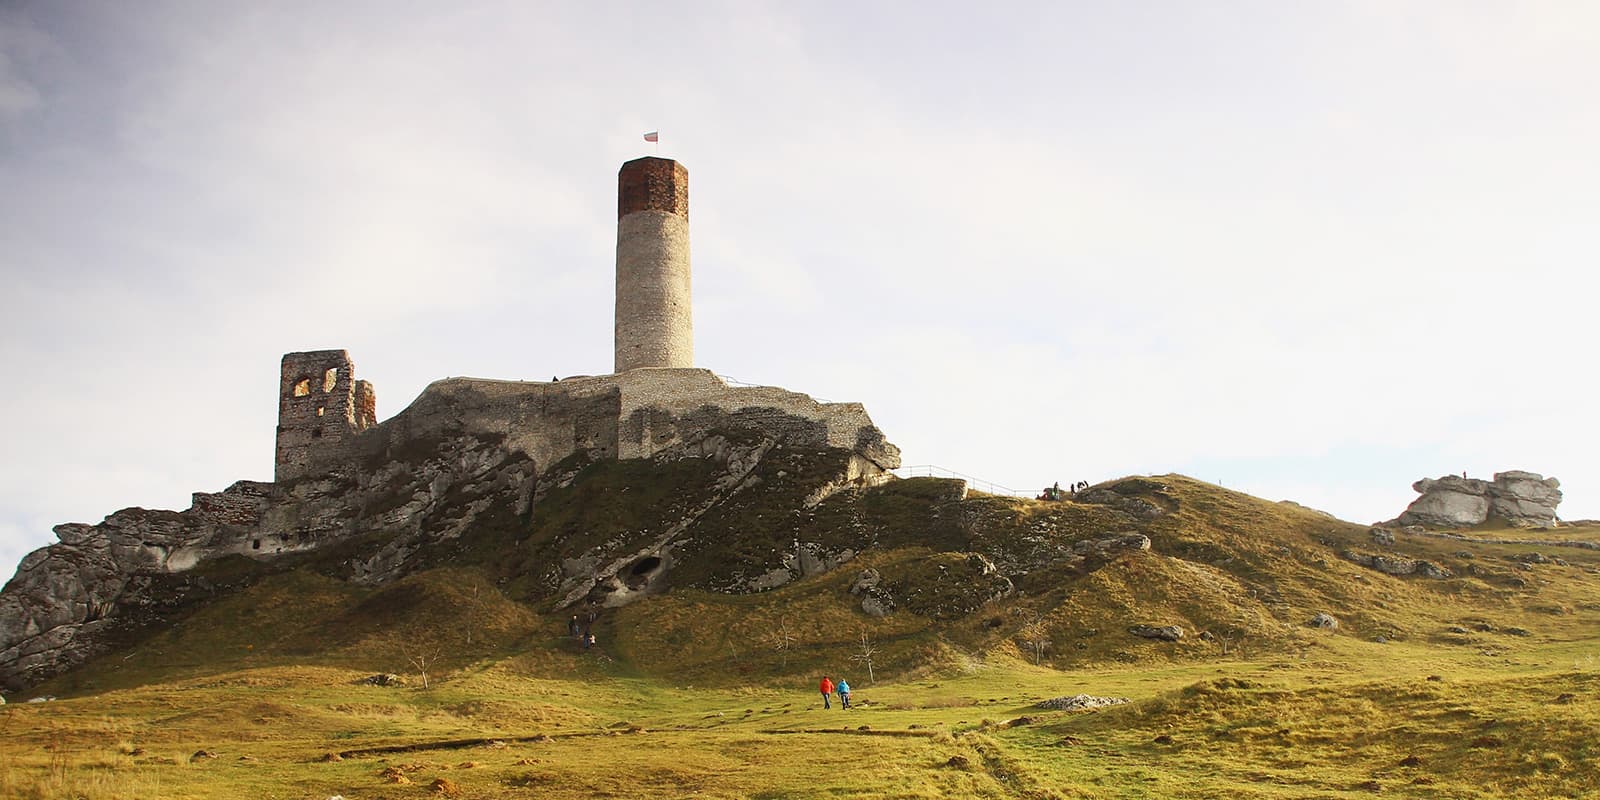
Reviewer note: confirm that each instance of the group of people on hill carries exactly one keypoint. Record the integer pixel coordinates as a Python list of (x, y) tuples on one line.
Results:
[(582, 632), (1055, 492), (829, 688)]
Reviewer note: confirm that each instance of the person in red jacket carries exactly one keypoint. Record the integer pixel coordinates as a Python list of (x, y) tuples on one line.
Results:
[(826, 688)]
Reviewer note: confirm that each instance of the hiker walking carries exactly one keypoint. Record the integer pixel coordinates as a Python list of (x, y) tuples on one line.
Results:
[(575, 628), (844, 693), (827, 689)]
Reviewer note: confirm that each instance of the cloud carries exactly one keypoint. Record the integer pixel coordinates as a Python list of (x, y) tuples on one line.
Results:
[(20, 45), (1338, 247)]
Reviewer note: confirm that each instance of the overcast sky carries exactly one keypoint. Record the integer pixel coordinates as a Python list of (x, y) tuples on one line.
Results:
[(1312, 251)]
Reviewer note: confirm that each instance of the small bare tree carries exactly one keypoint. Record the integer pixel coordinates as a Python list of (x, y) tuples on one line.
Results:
[(472, 614), (1232, 641), (1035, 634), (864, 654), (421, 658), (782, 640)]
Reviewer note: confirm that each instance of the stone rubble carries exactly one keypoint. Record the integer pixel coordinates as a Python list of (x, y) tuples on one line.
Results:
[(1080, 702)]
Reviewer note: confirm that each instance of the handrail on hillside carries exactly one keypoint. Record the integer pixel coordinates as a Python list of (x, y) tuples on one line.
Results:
[(732, 381), (935, 471)]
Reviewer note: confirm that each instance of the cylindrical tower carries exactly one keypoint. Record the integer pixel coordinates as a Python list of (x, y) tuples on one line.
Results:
[(654, 327)]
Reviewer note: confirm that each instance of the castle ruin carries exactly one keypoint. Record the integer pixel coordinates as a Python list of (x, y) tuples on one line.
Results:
[(655, 399), (468, 455), (320, 405)]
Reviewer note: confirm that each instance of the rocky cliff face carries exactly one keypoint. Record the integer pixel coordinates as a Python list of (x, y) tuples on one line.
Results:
[(1522, 499), (529, 478)]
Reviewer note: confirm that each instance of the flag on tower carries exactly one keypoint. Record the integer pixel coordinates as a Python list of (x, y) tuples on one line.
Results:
[(653, 136)]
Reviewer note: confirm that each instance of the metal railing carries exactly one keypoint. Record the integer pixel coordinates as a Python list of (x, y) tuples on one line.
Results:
[(732, 381), (935, 471)]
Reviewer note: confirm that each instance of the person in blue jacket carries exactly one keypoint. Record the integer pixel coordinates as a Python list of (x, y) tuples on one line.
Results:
[(843, 688)]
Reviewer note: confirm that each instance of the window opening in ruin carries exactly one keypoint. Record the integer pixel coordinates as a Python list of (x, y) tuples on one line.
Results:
[(316, 433), (329, 378), (321, 409), (255, 544), (302, 387)]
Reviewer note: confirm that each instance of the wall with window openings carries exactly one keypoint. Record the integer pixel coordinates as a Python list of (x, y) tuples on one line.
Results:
[(320, 406)]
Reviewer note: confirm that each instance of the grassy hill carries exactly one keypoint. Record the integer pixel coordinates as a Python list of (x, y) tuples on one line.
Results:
[(1481, 682)]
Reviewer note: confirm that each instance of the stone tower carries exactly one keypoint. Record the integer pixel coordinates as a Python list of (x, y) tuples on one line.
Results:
[(653, 324), (320, 406)]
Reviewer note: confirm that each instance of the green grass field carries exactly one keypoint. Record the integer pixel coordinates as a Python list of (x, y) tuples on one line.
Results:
[(1484, 685), (1348, 719)]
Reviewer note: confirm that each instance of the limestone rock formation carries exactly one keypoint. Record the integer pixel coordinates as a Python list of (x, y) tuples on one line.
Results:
[(875, 599), (945, 586), (65, 597), (1395, 565), (467, 458), (1162, 633), (1080, 702), (1521, 499)]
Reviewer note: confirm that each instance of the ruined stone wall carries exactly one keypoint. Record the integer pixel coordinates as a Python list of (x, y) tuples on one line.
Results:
[(635, 414), (661, 406), (239, 504), (321, 407), (654, 322), (546, 421), (366, 405), (424, 475)]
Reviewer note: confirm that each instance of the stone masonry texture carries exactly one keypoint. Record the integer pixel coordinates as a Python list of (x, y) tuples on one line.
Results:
[(423, 475), (654, 320), (320, 406), (653, 184)]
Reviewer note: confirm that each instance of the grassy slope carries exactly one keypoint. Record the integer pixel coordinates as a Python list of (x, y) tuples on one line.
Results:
[(692, 692)]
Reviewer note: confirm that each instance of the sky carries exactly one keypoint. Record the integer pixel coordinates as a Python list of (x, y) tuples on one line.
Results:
[(1310, 251)]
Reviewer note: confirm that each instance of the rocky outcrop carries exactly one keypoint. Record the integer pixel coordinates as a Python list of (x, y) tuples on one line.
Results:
[(945, 586), (1395, 565), (1163, 633), (1080, 702), (64, 596), (1124, 496), (1521, 499), (1127, 542), (481, 458), (875, 599)]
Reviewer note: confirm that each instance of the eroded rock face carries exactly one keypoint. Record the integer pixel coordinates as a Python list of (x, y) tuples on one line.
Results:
[(945, 586), (875, 599), (1522, 499), (1163, 633), (1396, 565), (468, 457)]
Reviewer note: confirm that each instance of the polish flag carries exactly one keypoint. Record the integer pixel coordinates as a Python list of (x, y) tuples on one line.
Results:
[(653, 136)]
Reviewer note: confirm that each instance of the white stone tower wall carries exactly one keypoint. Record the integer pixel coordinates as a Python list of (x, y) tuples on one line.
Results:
[(654, 321), (654, 325)]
